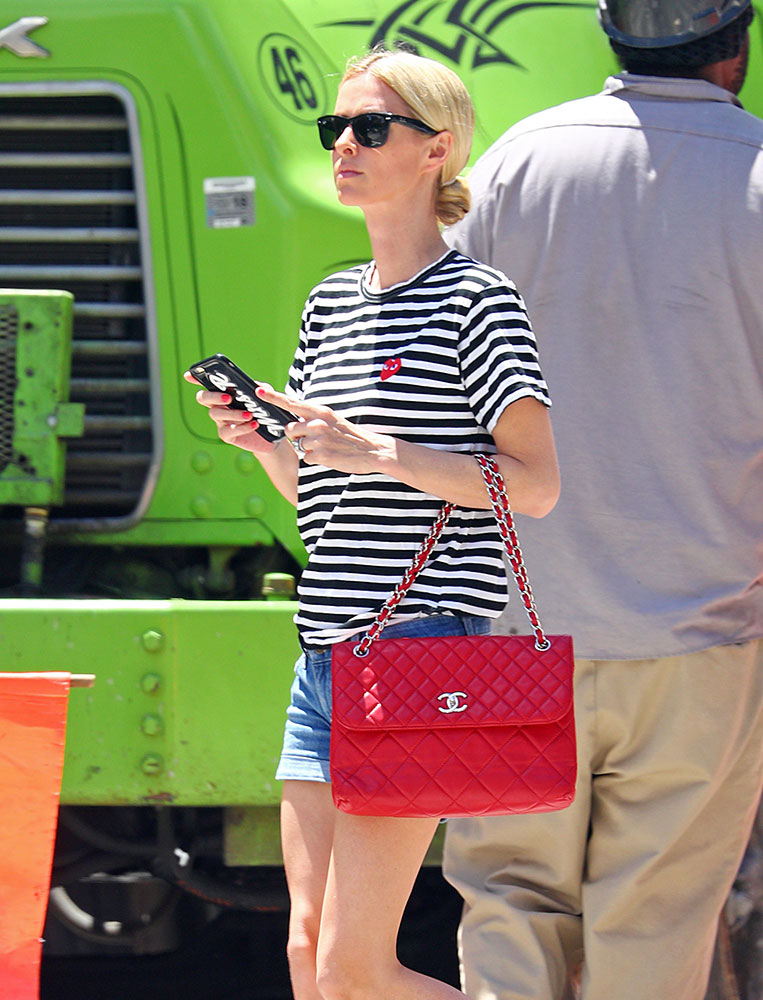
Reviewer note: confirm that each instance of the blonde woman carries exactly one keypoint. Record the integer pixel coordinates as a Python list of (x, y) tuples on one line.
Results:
[(406, 366)]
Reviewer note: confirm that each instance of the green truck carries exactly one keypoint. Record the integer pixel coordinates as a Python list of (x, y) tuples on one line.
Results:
[(162, 180)]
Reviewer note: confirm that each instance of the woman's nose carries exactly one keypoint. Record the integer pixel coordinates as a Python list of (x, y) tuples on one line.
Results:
[(346, 137)]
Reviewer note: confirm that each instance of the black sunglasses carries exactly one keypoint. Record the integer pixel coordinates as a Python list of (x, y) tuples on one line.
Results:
[(370, 129)]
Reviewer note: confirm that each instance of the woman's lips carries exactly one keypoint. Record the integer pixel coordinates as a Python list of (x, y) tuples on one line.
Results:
[(347, 172)]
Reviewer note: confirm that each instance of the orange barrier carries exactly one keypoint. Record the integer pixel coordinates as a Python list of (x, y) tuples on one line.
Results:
[(32, 732)]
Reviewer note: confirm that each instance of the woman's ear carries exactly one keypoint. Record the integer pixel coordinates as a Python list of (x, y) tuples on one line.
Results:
[(439, 150)]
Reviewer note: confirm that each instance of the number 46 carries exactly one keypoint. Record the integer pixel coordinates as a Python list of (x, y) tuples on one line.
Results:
[(291, 79)]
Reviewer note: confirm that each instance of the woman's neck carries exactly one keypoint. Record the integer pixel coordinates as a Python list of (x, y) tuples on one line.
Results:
[(402, 248)]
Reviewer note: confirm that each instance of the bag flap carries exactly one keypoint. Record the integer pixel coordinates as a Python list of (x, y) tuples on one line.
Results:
[(448, 681)]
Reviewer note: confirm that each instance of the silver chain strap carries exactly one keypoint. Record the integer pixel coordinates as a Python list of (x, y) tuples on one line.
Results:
[(496, 489)]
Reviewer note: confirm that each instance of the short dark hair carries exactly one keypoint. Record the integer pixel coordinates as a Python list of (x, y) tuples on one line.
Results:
[(687, 59)]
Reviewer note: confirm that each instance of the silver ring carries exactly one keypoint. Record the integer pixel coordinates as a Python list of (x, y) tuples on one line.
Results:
[(297, 445)]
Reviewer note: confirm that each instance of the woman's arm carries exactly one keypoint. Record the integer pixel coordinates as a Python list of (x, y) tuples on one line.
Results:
[(239, 428), (526, 457), (523, 437)]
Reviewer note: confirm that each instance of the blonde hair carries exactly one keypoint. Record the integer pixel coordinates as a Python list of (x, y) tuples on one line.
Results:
[(438, 97)]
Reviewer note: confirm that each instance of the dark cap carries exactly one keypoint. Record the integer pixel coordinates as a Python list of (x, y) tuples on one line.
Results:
[(652, 24)]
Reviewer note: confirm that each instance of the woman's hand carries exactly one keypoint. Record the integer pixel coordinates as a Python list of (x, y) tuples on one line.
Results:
[(324, 438), (233, 426), (238, 427)]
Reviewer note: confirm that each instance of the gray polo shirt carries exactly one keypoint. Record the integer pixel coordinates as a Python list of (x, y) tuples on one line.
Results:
[(632, 222)]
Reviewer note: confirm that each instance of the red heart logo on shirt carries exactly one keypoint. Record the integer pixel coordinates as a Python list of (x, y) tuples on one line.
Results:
[(390, 367)]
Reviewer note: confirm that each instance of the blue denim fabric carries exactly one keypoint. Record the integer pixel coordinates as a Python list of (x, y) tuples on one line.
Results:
[(307, 736)]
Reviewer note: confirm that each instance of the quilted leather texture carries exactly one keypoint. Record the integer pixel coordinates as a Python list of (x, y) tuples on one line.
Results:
[(453, 726)]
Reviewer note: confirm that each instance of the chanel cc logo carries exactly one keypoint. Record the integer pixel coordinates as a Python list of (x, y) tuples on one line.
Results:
[(451, 701)]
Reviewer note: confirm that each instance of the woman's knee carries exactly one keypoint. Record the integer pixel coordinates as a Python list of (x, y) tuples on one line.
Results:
[(347, 977), (301, 947)]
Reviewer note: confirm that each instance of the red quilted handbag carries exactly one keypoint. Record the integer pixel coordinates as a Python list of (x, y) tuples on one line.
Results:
[(454, 725)]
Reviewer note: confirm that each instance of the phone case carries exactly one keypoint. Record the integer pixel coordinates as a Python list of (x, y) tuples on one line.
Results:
[(219, 374)]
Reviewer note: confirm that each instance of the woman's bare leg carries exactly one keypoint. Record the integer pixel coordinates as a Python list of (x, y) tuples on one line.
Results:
[(371, 874), (307, 831)]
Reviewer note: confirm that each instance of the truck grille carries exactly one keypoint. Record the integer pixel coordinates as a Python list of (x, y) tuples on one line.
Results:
[(69, 220)]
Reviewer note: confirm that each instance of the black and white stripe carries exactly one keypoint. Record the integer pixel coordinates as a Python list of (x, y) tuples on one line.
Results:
[(466, 351)]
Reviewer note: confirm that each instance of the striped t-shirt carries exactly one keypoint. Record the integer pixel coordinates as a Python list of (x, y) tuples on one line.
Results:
[(435, 361)]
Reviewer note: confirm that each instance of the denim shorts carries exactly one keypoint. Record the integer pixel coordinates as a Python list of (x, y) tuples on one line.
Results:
[(307, 737)]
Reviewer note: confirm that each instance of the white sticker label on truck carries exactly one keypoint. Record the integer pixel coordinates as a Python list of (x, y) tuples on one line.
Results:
[(229, 202)]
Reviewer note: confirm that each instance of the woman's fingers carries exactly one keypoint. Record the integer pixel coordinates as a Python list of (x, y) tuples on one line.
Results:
[(306, 435), (232, 431), (207, 398), (299, 408), (233, 420), (234, 426)]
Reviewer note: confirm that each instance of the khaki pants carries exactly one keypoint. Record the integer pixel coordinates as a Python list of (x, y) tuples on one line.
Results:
[(634, 874)]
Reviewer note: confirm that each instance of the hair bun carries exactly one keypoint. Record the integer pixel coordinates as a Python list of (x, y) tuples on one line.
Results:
[(453, 201)]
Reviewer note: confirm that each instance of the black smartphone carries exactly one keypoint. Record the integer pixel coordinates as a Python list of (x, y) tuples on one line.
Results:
[(219, 374)]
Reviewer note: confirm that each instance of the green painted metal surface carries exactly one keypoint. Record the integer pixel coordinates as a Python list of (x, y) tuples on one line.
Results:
[(189, 697), (35, 355)]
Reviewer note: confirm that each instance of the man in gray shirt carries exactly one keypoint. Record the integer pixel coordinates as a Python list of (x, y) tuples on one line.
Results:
[(632, 223)]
